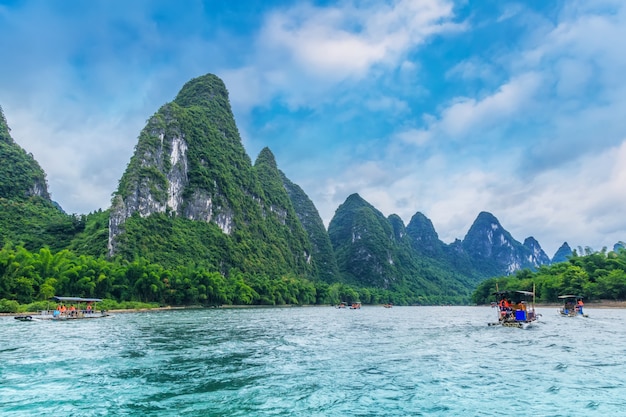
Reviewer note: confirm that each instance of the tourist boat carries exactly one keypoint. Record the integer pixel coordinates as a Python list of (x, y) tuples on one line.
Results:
[(79, 308), (515, 309), (572, 306)]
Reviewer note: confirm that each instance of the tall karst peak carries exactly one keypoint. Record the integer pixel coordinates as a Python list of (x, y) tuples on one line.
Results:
[(21, 175), (485, 233), (423, 236), (276, 199), (192, 185), (364, 243), (187, 159), (421, 228), (489, 241), (562, 254), (203, 91), (539, 257), (270, 179)]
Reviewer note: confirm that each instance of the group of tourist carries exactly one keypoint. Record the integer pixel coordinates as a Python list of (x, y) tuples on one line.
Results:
[(71, 311)]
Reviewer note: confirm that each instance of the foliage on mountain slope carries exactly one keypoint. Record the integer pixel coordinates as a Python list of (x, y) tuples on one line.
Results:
[(376, 251), (21, 176), (594, 276)]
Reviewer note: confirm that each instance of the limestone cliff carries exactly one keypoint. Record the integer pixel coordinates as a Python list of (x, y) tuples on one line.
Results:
[(187, 159), (496, 252), (190, 194)]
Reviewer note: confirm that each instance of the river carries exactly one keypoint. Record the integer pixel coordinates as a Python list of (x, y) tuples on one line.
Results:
[(314, 361)]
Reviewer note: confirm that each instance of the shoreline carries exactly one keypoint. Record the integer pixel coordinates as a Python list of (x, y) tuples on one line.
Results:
[(591, 304)]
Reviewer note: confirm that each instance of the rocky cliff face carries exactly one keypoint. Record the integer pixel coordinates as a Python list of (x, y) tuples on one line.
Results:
[(190, 166), (489, 243), (537, 256), (187, 155)]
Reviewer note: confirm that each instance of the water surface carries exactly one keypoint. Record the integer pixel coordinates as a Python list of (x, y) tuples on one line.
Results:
[(314, 361)]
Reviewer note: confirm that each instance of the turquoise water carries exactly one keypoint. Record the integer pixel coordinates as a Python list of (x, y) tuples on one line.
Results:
[(314, 361)]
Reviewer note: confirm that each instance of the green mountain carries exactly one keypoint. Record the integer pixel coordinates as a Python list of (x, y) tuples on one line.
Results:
[(28, 216), (190, 195), (323, 256), (21, 176), (193, 220), (495, 252), (374, 251), (282, 229), (564, 252)]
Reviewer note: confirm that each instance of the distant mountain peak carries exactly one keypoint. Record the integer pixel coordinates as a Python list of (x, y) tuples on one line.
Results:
[(562, 254), (488, 240), (539, 257)]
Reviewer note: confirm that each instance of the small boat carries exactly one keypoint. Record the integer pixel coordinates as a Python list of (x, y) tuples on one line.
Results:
[(515, 309), (388, 305), (79, 308), (355, 306), (572, 306)]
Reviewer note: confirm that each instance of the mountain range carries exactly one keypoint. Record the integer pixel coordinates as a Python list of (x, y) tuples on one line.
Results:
[(190, 195)]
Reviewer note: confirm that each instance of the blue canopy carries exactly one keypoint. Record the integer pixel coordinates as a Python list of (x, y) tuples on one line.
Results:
[(77, 299)]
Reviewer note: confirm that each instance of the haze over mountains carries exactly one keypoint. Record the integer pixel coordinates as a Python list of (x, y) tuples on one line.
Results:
[(191, 195)]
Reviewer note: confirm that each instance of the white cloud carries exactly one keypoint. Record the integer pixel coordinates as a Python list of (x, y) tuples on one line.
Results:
[(414, 136), (581, 204), (347, 40), (471, 119), (83, 160), (469, 115), (304, 53)]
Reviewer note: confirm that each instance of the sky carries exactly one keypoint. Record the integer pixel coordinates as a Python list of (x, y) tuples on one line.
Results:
[(444, 107)]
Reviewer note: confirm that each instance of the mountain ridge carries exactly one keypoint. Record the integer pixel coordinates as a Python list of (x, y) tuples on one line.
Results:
[(191, 195)]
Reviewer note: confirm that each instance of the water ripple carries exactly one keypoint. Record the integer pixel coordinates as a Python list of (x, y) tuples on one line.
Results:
[(405, 361)]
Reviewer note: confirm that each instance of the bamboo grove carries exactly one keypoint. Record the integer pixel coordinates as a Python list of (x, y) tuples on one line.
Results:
[(27, 277)]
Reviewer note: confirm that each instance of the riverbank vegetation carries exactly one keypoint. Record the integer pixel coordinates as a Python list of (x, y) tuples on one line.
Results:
[(29, 279), (593, 276)]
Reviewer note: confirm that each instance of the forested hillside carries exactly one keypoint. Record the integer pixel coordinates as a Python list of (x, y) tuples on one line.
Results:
[(594, 276), (194, 222)]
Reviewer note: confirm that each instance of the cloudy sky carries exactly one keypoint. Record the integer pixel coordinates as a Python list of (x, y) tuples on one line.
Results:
[(444, 107)]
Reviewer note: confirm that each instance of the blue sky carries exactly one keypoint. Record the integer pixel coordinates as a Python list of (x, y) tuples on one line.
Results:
[(444, 107)]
